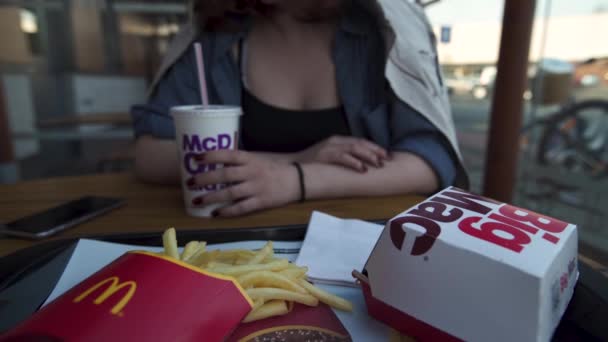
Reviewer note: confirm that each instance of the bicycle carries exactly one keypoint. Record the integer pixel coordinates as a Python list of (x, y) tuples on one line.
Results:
[(572, 148), (575, 138)]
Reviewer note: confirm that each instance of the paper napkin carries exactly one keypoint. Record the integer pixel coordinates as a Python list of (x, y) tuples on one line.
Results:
[(334, 247)]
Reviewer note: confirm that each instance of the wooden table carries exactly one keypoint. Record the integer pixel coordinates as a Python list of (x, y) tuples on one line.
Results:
[(153, 208)]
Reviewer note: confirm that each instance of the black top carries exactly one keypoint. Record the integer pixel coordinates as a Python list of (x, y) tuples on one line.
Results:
[(268, 128)]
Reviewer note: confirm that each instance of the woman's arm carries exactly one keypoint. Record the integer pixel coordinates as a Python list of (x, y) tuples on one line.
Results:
[(261, 184), (155, 151), (156, 160), (404, 173)]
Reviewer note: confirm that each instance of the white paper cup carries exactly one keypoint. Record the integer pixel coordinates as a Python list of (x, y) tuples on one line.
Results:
[(199, 129)]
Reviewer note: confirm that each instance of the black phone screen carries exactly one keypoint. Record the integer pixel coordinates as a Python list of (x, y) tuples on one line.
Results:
[(62, 214)]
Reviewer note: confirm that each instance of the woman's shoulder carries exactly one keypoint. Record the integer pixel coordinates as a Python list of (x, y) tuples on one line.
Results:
[(176, 49), (178, 54)]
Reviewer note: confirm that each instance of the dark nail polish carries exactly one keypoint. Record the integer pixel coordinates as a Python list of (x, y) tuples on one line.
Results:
[(363, 168), (199, 157), (215, 213), (197, 201), (191, 182)]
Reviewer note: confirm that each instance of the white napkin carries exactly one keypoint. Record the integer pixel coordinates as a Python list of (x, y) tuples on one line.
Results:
[(334, 247)]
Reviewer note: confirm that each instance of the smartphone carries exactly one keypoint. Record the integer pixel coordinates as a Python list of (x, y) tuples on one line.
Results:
[(59, 218)]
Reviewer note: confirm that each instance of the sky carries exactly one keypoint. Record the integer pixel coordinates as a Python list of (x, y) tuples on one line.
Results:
[(458, 11)]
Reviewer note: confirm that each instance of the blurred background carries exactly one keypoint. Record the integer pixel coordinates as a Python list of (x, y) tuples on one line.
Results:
[(563, 162), (70, 70)]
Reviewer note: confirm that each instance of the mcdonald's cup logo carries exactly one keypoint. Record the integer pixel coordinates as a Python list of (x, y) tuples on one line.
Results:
[(112, 286)]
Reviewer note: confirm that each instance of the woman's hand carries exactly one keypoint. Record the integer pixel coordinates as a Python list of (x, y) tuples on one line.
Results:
[(350, 152), (258, 183)]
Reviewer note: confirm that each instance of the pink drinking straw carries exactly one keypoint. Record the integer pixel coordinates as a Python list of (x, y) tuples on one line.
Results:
[(200, 65)]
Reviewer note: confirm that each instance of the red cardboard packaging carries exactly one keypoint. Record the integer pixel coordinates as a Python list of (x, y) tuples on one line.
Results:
[(459, 266), (142, 296)]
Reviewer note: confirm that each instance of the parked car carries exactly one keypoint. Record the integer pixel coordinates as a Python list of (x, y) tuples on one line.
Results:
[(460, 85), (485, 84)]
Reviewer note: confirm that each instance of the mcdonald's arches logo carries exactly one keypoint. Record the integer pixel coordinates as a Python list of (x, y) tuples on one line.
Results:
[(112, 286)]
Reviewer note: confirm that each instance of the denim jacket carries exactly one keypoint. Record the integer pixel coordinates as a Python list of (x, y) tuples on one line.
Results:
[(374, 108)]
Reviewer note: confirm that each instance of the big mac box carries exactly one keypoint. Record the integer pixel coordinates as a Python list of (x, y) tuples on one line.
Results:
[(463, 267), (141, 296)]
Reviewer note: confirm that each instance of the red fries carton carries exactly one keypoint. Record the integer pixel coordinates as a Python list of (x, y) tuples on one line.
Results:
[(463, 267), (142, 296)]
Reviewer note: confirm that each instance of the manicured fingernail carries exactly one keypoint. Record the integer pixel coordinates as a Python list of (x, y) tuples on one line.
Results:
[(380, 163), (363, 168), (191, 182), (197, 201), (215, 213), (199, 157)]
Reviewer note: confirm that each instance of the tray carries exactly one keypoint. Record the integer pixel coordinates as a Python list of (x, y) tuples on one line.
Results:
[(28, 276)]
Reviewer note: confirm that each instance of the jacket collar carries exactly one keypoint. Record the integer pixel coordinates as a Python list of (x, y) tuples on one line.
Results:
[(354, 20)]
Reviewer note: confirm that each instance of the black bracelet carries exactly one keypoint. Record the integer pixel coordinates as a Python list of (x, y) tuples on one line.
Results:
[(302, 186)]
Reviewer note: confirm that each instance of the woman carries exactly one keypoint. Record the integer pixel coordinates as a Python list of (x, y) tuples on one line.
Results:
[(339, 100)]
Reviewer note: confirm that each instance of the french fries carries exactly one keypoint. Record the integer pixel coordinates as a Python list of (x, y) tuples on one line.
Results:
[(269, 279), (270, 309), (170, 243), (200, 250), (237, 270), (266, 251), (295, 272), (189, 250), (326, 297), (273, 284), (269, 293)]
